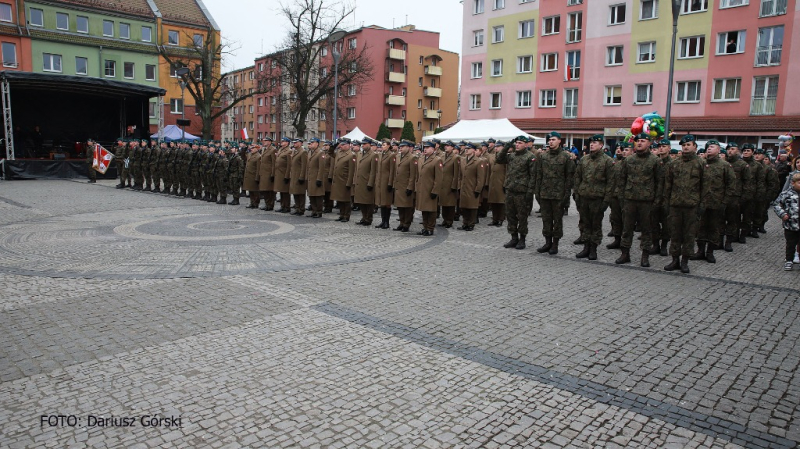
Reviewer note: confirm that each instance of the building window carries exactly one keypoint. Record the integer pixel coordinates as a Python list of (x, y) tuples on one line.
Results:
[(62, 21), (351, 113), (733, 3), (547, 98), (354, 67), (731, 42), (37, 17), (616, 14), (573, 67), (497, 67), (646, 52), (273, 101), (477, 70), (147, 34), (9, 54), (150, 72), (5, 12), (614, 55), (81, 66), (323, 52), (570, 103), (351, 90), (692, 6), (251, 109), (498, 34), (197, 40), (524, 64), (352, 43), (644, 94), (110, 68), (151, 109), (692, 47), (551, 25), (477, 6), (727, 89), (613, 96), (108, 28), (648, 9), (688, 92), (172, 37), (173, 70), (419, 126), (82, 24), (419, 81), (419, 104), (574, 2), (574, 27), (499, 4), (524, 99), (176, 105), (51, 62), (124, 31), (549, 62), (422, 60), (495, 100), (772, 8), (260, 101), (769, 47), (526, 28), (765, 95), (477, 38), (474, 102), (128, 70)]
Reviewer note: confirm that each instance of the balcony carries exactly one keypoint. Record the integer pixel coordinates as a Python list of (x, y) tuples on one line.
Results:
[(433, 70), (430, 113), (397, 77), (394, 123), (397, 54), (395, 100), (432, 92)]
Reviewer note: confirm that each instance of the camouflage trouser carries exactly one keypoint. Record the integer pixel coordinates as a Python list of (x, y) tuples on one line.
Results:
[(136, 172), (208, 182), (222, 186), (712, 224), (155, 176), (120, 173), (747, 208), (552, 218), (147, 176), (235, 186), (565, 202), (91, 173), (761, 217), (616, 217), (733, 218), (660, 223), (592, 211), (196, 183), (517, 209), (632, 212), (126, 174), (166, 176), (683, 224)]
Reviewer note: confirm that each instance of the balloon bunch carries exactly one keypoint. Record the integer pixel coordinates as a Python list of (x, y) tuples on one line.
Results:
[(651, 124), (786, 141)]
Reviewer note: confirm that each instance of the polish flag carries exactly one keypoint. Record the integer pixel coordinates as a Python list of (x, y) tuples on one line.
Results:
[(244, 134), (102, 159), (566, 75)]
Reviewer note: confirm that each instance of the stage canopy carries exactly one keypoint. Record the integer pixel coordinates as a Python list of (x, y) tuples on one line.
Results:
[(355, 134), (480, 130), (172, 132)]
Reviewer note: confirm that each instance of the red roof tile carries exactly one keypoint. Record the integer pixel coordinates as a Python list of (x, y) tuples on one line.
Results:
[(187, 11), (133, 7)]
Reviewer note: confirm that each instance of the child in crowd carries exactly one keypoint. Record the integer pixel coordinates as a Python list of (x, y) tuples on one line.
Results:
[(787, 207)]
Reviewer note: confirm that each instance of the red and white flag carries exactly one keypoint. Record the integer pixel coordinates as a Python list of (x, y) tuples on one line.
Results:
[(244, 134), (102, 159)]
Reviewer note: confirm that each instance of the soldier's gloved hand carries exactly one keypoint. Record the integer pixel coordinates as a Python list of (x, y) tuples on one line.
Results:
[(504, 190), (486, 188), (369, 188), (389, 188), (347, 187), (330, 179), (301, 181), (272, 178), (434, 196), (286, 180), (477, 194), (454, 190), (409, 192), (319, 183)]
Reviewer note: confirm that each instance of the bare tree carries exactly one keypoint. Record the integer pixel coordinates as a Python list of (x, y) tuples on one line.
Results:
[(299, 75)]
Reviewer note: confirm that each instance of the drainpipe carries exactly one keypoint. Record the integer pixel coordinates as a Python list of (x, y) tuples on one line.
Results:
[(100, 65)]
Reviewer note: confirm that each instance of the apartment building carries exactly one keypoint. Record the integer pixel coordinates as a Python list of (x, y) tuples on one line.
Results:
[(241, 116)]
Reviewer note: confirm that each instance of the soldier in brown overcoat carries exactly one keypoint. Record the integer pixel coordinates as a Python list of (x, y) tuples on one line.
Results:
[(327, 161), (283, 163), (266, 174), (473, 178), (366, 171), (299, 170), (429, 178), (384, 181), (405, 184), (497, 198), (316, 177), (448, 194), (342, 172), (251, 173)]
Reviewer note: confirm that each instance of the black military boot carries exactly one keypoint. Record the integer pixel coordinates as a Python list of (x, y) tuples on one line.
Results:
[(548, 243), (513, 242), (664, 248), (754, 234), (120, 185), (625, 257), (742, 236), (684, 264), (579, 241), (554, 249), (521, 243), (616, 243), (710, 253), (148, 189), (655, 250), (592, 251), (222, 200), (674, 265), (235, 202), (584, 253), (701, 252), (645, 259), (728, 241), (157, 190), (762, 230)]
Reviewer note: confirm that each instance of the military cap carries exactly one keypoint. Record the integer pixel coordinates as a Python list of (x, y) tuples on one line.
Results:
[(674, 151), (449, 143), (355, 142), (596, 138), (267, 138), (285, 139), (687, 138), (625, 144), (436, 141), (492, 141), (89, 139), (500, 143), (644, 136), (553, 134), (732, 145), (760, 151), (701, 150), (463, 143), (297, 139), (471, 145), (723, 151), (314, 139), (484, 144), (748, 146), (712, 142), (327, 142), (428, 144), (405, 143), (522, 138)]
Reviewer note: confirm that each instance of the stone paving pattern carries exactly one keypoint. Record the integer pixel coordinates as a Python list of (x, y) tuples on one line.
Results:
[(264, 330)]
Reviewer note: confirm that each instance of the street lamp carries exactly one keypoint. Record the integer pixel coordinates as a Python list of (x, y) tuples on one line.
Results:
[(336, 36), (181, 73), (676, 10)]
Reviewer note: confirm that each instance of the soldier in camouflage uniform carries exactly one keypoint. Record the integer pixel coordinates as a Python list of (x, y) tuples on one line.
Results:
[(222, 174), (555, 172), (235, 170), (519, 185), (145, 170), (772, 187), (683, 190), (593, 187), (717, 179), (617, 197), (207, 172), (136, 165), (195, 184), (154, 183), (640, 180), (120, 154), (660, 211), (757, 190), (740, 188), (167, 167)]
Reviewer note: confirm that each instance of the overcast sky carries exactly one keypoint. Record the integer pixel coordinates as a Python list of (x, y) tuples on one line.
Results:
[(256, 28)]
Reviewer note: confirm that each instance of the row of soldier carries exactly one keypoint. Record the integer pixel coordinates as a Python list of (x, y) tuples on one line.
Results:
[(728, 196)]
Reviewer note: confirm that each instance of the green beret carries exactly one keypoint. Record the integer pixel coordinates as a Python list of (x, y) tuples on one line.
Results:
[(596, 138), (687, 138), (554, 134), (674, 151), (723, 151), (712, 142), (644, 136), (664, 142), (732, 145), (748, 146), (760, 151)]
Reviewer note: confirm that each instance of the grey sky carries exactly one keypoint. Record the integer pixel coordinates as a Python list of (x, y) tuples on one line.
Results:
[(256, 28)]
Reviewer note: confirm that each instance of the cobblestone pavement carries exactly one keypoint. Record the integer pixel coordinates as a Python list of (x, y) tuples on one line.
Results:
[(242, 328)]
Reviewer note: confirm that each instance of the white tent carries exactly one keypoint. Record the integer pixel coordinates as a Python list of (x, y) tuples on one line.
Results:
[(480, 130), (172, 132), (355, 134)]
